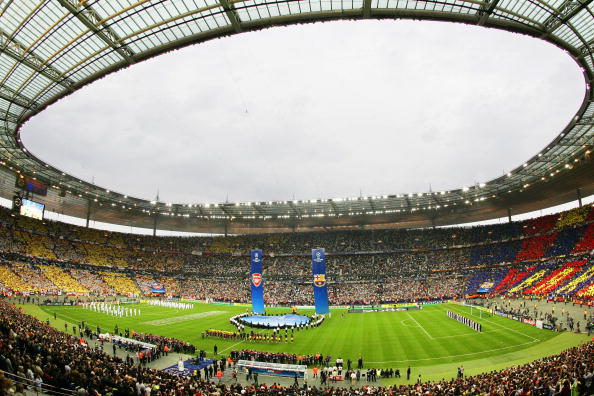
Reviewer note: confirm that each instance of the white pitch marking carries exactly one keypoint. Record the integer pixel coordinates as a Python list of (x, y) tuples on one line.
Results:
[(507, 328), (178, 319), (418, 324), (452, 356)]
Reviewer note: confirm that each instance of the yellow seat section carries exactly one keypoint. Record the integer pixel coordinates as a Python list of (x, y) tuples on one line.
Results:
[(11, 281), (121, 283), (572, 217), (62, 279)]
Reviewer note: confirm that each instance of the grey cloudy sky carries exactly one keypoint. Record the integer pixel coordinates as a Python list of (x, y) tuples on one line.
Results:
[(319, 110)]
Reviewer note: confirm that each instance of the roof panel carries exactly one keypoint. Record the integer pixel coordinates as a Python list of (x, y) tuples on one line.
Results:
[(121, 31)]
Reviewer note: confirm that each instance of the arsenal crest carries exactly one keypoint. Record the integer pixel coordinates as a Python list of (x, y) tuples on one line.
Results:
[(257, 279), (319, 280)]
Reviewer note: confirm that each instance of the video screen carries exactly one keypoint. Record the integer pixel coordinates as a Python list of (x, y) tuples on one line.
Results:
[(32, 209), (30, 184)]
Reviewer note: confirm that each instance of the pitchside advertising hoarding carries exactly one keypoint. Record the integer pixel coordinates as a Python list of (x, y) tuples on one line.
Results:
[(318, 265), (257, 282)]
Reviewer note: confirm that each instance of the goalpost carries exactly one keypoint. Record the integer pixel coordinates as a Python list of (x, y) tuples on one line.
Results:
[(481, 312), (476, 310)]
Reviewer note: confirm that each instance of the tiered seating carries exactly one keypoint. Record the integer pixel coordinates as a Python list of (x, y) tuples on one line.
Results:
[(105, 256), (30, 224), (37, 245), (70, 251), (12, 282), (121, 283), (33, 276), (540, 224), (579, 282), (587, 291), (154, 261), (586, 244), (565, 242), (572, 217), (62, 280), (590, 216), (494, 254), (556, 278), (222, 245), (92, 282), (171, 285), (145, 282), (534, 248), (92, 235), (513, 277), (534, 278), (482, 278)]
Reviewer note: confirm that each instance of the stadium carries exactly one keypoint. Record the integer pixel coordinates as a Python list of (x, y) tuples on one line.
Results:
[(361, 295)]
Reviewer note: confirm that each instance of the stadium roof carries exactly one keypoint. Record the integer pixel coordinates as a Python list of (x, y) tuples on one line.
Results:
[(50, 48)]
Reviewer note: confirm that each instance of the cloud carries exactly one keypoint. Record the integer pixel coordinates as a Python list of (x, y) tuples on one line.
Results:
[(319, 110)]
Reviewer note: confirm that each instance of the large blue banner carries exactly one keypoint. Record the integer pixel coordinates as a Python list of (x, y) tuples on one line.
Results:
[(318, 266), (257, 282), (158, 288)]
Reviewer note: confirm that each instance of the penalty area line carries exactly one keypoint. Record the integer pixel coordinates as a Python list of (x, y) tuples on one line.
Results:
[(453, 356), (418, 324), (505, 327)]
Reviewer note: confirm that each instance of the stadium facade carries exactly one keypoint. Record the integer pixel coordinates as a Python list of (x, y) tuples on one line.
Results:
[(51, 48)]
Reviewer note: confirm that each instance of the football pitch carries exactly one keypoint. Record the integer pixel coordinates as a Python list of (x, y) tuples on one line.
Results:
[(425, 339)]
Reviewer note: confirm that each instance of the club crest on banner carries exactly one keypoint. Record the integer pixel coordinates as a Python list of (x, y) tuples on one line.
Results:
[(257, 279), (319, 280)]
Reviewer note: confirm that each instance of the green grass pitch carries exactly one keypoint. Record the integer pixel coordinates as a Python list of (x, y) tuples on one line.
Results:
[(427, 339)]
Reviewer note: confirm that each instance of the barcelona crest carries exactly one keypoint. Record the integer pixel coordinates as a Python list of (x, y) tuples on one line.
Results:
[(319, 280), (257, 279)]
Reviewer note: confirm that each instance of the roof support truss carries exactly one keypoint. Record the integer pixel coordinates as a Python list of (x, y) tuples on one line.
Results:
[(21, 53), (567, 10), (13, 96), (485, 11), (89, 17), (232, 15)]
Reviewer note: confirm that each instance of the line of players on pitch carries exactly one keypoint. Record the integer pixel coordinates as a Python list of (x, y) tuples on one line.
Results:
[(464, 320), (112, 309), (170, 304), (276, 335)]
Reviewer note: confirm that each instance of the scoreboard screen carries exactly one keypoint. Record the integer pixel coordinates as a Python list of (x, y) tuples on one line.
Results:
[(32, 209), (32, 185)]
